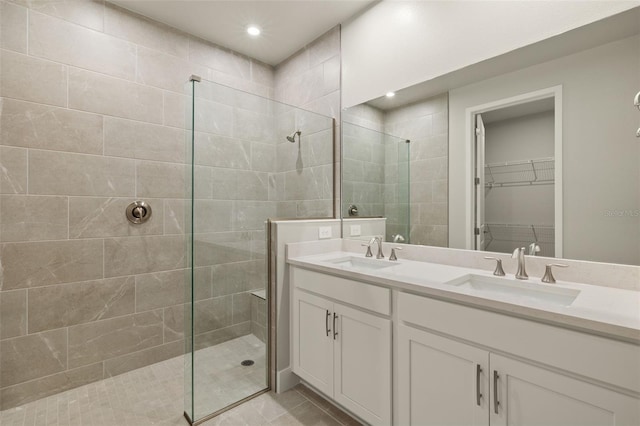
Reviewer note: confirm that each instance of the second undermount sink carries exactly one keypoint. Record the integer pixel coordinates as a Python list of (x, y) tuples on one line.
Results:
[(360, 263), (516, 290)]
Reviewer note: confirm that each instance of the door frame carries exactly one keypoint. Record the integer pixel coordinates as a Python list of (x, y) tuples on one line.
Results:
[(554, 92)]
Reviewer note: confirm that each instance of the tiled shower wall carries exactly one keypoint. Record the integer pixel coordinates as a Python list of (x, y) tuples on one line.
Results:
[(426, 125), (93, 111), (309, 79), (363, 171)]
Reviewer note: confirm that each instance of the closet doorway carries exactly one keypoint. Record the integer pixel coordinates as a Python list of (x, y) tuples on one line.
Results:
[(517, 175)]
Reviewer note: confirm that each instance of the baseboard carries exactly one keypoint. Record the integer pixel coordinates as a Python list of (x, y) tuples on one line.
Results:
[(286, 380)]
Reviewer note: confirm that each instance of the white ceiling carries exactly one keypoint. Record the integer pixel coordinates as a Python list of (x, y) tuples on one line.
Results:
[(616, 27), (286, 26)]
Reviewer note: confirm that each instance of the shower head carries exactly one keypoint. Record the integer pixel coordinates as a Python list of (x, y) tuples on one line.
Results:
[(292, 138)]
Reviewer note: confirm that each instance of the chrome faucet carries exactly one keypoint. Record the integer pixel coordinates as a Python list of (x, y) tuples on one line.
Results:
[(378, 240), (518, 253)]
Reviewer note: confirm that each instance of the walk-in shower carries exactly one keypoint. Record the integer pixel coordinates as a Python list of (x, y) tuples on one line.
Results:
[(242, 172)]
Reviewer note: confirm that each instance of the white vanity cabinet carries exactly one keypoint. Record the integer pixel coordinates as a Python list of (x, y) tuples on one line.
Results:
[(443, 381), (342, 351), (440, 381)]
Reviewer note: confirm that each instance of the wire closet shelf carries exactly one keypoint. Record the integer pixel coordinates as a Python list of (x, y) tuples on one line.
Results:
[(543, 235), (539, 171)]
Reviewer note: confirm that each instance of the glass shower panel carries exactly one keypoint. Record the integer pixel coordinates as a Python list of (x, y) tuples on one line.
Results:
[(253, 159), (375, 178)]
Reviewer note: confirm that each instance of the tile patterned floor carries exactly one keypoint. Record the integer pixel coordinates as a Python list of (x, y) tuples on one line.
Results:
[(153, 395)]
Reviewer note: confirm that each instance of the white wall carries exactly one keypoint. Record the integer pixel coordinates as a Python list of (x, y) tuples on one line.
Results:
[(516, 139), (396, 44), (600, 151)]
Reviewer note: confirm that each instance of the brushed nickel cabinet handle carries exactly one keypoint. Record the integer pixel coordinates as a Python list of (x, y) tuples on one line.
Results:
[(496, 403), (335, 331), (478, 394), (326, 323)]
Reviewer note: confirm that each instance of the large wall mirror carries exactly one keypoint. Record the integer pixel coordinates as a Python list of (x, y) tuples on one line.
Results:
[(537, 148)]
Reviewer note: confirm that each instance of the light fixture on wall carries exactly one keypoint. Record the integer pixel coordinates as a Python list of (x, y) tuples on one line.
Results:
[(390, 94), (254, 31)]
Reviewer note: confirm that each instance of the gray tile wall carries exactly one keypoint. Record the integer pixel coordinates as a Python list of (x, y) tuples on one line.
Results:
[(363, 160), (93, 112), (426, 125), (309, 79)]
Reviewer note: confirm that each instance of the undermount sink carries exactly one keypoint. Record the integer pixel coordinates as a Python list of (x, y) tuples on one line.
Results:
[(516, 290), (360, 263)]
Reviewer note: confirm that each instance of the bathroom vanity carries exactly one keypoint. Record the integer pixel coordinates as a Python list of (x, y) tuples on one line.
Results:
[(419, 343)]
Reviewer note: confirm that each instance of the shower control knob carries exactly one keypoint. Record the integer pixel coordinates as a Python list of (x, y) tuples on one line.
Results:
[(138, 212)]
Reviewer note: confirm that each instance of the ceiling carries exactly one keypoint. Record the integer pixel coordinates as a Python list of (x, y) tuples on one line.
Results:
[(286, 26), (616, 27)]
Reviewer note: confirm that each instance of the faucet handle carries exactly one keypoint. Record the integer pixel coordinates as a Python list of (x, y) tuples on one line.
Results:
[(548, 273), (368, 246), (533, 249), (393, 256), (499, 272)]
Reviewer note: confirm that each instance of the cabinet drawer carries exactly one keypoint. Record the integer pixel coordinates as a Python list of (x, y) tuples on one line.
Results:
[(366, 296), (580, 353)]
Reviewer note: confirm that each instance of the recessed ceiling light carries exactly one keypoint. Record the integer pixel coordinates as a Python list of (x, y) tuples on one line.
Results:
[(253, 30), (390, 94)]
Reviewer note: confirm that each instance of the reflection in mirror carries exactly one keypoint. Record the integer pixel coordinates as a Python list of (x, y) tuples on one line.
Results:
[(375, 182), (557, 170), (515, 176)]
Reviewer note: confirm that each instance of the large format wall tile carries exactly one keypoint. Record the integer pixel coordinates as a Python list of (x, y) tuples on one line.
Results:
[(13, 170), (133, 139), (13, 27), (212, 314), (32, 79), (79, 174), (37, 264), (219, 59), (77, 303), (29, 357), (89, 91), (33, 390), (32, 218), (39, 126), (122, 364), (140, 30), (176, 110), (174, 323), (91, 217), (100, 340), (57, 40), (139, 255), (13, 314), (159, 290), (162, 180), (165, 71), (220, 151), (88, 13)]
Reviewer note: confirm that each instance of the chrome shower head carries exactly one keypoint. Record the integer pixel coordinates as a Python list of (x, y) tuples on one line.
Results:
[(292, 138)]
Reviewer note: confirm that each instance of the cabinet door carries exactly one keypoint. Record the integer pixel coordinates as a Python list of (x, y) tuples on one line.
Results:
[(312, 341), (530, 395), (363, 364), (440, 381)]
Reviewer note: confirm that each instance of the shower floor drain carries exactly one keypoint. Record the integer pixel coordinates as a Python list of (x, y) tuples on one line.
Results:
[(247, 362)]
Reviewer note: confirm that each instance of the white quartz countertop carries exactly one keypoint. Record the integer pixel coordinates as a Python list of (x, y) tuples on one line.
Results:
[(609, 312)]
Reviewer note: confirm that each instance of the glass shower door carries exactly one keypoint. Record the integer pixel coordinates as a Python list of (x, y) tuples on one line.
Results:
[(375, 178), (252, 159)]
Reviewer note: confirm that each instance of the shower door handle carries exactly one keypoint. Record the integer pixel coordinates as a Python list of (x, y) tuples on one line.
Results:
[(326, 323)]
